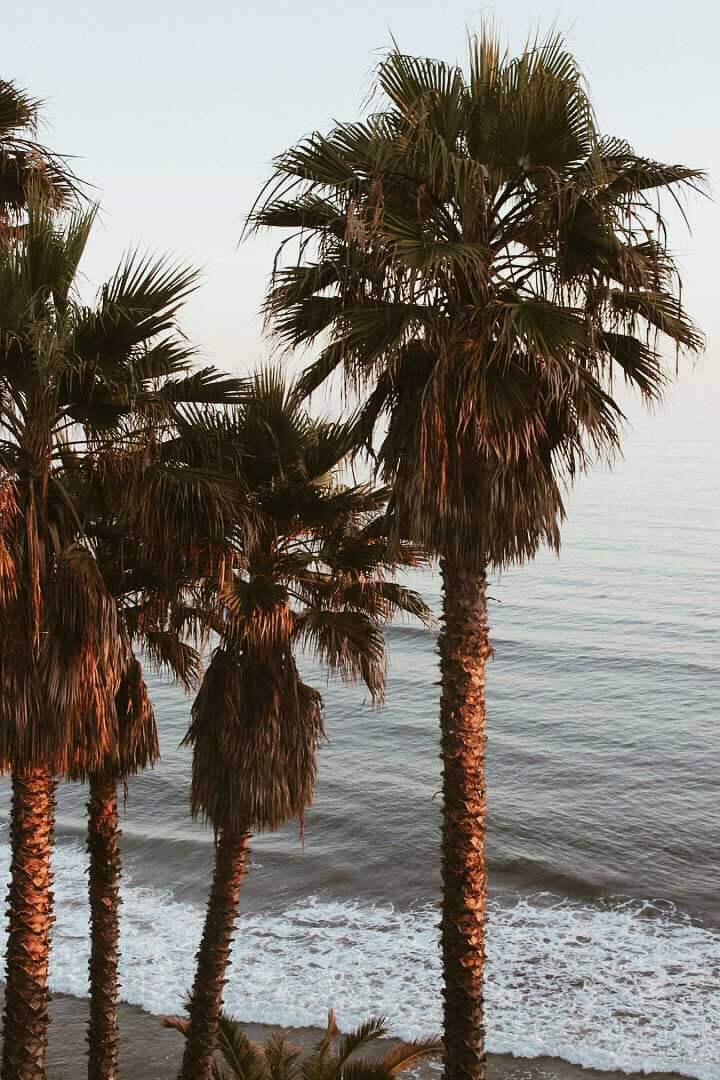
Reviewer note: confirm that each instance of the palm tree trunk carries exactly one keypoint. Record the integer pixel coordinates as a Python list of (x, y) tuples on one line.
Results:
[(464, 651), (104, 892), (30, 912), (231, 854)]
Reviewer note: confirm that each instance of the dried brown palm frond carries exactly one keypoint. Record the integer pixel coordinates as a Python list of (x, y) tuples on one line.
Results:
[(22, 739), (83, 660), (9, 569), (137, 732), (254, 733)]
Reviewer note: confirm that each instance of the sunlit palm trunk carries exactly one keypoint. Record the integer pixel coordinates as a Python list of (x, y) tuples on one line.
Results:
[(231, 854), (30, 912), (104, 892), (464, 651)]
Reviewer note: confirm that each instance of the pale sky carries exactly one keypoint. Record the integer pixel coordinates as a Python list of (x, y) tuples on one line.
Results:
[(175, 109)]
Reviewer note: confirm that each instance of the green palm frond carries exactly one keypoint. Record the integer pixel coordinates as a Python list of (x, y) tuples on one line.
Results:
[(18, 110), (145, 286), (309, 211), (281, 1057), (241, 1058), (331, 1058), (374, 1028), (641, 365), (662, 312), (385, 600), (203, 386)]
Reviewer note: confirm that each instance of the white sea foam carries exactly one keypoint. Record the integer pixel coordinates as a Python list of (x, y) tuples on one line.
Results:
[(628, 986)]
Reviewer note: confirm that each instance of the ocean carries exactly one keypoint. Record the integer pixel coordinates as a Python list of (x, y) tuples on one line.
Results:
[(604, 828)]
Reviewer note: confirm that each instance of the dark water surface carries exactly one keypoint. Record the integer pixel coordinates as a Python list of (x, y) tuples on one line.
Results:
[(604, 758)]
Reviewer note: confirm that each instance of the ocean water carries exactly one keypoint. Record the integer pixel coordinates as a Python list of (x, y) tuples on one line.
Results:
[(604, 848)]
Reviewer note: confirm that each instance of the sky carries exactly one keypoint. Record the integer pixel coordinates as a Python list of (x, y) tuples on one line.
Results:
[(174, 111)]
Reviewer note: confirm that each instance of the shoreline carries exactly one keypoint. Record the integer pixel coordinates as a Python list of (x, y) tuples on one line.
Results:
[(148, 1051)]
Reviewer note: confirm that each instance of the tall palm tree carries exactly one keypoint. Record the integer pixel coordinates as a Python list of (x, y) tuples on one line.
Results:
[(304, 563), (152, 616), (146, 376), (56, 656), (480, 263), (71, 377), (334, 1057)]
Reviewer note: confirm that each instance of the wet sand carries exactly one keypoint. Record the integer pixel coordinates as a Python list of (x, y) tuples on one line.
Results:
[(150, 1051)]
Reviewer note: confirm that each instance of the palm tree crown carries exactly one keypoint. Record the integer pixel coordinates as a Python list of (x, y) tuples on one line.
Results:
[(74, 380), (306, 567), (480, 262), (26, 167)]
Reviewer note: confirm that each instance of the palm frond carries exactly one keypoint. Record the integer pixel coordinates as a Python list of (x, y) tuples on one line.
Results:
[(368, 1032), (349, 644), (407, 1055), (167, 652), (138, 745), (204, 386)]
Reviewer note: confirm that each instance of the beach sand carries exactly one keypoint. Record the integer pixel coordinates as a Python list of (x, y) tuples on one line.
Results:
[(151, 1052)]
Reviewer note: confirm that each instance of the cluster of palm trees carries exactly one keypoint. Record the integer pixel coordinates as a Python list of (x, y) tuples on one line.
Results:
[(477, 266)]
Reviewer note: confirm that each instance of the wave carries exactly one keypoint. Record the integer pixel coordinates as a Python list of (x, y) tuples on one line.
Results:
[(627, 985)]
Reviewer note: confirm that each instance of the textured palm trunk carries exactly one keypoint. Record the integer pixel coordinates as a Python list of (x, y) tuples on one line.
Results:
[(231, 854), (104, 893), (464, 652), (30, 912)]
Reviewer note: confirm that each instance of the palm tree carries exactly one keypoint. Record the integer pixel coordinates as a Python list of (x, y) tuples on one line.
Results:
[(147, 376), (56, 658), (72, 378), (332, 1058), (152, 615), (480, 264), (304, 563)]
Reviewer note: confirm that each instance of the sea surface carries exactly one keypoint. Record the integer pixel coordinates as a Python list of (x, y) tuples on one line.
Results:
[(604, 844)]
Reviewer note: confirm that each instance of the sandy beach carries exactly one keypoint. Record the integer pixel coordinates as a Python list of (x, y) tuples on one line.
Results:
[(150, 1051)]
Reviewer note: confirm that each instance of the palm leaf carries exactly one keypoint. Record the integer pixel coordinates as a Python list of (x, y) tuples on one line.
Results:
[(407, 1055), (368, 1032)]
